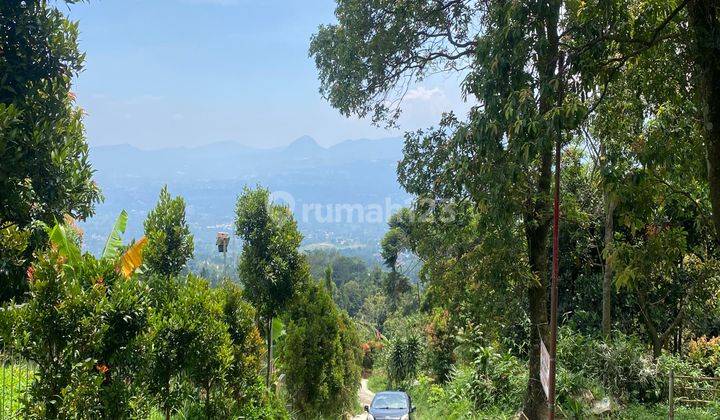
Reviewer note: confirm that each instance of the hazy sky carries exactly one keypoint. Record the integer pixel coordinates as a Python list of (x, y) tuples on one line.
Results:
[(165, 73)]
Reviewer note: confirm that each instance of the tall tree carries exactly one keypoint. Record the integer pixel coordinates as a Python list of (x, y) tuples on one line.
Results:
[(44, 167), (536, 70), (379, 47), (321, 356), (271, 268), (170, 243), (704, 18)]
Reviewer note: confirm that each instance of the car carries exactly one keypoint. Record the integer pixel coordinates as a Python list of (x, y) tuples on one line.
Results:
[(390, 405)]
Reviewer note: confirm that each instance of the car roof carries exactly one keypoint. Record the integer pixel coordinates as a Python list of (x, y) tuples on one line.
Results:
[(404, 394)]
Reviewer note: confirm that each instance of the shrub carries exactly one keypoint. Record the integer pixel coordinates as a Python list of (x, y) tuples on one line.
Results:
[(320, 356), (247, 345), (623, 366), (170, 243), (403, 361), (189, 348), (371, 351), (14, 254), (705, 353), (498, 379), (440, 345), (81, 327)]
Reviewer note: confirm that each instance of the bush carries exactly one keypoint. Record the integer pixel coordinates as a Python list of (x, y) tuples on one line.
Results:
[(623, 366), (247, 345), (170, 243), (320, 356), (705, 353), (81, 328), (371, 351), (498, 378), (440, 345), (189, 348), (403, 361), (14, 256)]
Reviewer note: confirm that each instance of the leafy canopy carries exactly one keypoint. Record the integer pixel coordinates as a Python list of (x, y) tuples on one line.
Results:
[(170, 243)]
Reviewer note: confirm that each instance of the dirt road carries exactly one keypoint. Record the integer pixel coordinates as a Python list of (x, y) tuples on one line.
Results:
[(365, 396)]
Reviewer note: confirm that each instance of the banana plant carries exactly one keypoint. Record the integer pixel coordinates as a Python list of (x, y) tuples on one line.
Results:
[(114, 240), (128, 262)]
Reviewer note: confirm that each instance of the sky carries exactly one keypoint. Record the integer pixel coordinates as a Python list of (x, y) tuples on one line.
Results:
[(183, 73)]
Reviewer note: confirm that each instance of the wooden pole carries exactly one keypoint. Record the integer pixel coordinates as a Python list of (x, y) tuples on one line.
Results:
[(269, 353), (671, 396)]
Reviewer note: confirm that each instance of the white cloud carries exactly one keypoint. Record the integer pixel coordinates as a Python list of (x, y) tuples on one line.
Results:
[(420, 93)]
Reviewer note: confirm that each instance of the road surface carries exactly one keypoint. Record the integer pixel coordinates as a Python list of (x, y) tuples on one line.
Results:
[(365, 396)]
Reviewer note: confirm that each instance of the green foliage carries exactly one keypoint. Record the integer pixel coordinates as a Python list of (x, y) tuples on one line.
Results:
[(114, 240), (14, 244), (498, 379), (14, 391), (81, 328), (320, 356), (441, 344), (239, 317), (271, 267), (403, 361), (44, 168), (189, 347), (705, 353), (45, 171), (170, 244)]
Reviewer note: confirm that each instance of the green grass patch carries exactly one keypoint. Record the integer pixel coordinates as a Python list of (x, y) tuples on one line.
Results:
[(15, 379), (641, 412), (378, 381)]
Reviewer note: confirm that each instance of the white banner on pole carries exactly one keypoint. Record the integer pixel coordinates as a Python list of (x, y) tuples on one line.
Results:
[(545, 368)]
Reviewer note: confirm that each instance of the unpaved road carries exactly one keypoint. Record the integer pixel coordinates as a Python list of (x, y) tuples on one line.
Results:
[(365, 396)]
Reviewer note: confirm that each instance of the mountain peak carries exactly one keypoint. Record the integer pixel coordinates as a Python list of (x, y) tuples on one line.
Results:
[(304, 145), (304, 141)]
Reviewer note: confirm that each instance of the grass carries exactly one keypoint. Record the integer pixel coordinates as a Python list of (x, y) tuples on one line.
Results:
[(377, 381), (433, 403), (640, 412), (14, 381)]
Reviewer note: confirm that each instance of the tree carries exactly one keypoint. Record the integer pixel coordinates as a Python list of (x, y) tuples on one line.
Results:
[(532, 89), (515, 63), (82, 328), (271, 268), (189, 347), (328, 280), (321, 356), (44, 167), (704, 19), (239, 316), (170, 243)]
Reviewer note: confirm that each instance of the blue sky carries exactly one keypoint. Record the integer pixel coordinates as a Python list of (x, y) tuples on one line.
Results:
[(165, 73)]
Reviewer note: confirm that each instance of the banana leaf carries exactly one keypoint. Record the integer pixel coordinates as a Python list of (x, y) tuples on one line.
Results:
[(132, 258), (114, 240)]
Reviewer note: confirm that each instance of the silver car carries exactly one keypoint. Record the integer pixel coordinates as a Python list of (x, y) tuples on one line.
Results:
[(390, 405)]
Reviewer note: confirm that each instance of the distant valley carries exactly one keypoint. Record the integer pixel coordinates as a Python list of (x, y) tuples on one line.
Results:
[(339, 193)]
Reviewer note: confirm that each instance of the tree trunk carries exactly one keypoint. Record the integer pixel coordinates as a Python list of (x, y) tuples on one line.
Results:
[(705, 25), (607, 267), (269, 353), (659, 340), (537, 218), (207, 401)]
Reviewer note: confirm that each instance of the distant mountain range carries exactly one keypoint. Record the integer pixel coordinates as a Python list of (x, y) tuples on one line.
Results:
[(230, 160), (351, 173)]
